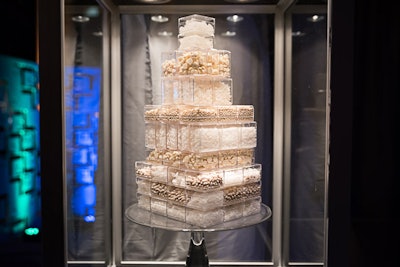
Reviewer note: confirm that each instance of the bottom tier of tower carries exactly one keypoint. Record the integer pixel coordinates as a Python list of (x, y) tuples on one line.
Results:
[(200, 218)]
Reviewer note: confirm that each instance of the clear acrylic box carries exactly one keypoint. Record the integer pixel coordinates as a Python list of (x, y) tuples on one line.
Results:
[(143, 186), (152, 113), (202, 218), (196, 25), (229, 136), (200, 137), (206, 180), (241, 193), (158, 206), (197, 113), (248, 135), (195, 180), (198, 90), (251, 173), (161, 135), (215, 179), (202, 201), (195, 42), (201, 161), (159, 173), (169, 64), (143, 169), (252, 206), (196, 62), (245, 112), (213, 137), (150, 135), (196, 32), (170, 113), (172, 137), (151, 171), (143, 201)]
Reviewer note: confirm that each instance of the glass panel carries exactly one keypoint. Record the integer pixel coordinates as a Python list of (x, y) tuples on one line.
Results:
[(250, 45), (83, 133), (308, 141)]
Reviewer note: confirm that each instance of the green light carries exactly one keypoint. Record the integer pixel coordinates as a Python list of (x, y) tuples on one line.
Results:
[(19, 123), (31, 231)]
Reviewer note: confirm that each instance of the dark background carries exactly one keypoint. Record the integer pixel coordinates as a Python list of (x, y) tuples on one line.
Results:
[(367, 140), (18, 28)]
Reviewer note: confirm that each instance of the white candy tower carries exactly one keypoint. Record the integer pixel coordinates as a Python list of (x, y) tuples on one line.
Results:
[(200, 165)]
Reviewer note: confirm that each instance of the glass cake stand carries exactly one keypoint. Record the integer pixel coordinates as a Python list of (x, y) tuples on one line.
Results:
[(197, 254)]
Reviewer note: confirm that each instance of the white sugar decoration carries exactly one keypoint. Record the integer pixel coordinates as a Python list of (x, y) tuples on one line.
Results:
[(204, 139), (248, 137), (233, 177), (195, 27), (195, 42)]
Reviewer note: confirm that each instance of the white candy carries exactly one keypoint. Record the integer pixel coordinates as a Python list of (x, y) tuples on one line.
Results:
[(195, 27)]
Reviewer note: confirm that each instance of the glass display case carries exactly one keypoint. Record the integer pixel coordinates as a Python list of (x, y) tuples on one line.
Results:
[(106, 99)]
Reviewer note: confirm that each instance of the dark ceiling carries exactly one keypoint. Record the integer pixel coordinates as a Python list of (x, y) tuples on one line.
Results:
[(194, 2), (199, 2)]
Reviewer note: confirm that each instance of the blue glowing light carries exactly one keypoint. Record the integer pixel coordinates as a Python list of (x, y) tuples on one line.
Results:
[(82, 115)]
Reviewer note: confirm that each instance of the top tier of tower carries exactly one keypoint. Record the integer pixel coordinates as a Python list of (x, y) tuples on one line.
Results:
[(196, 32), (196, 54)]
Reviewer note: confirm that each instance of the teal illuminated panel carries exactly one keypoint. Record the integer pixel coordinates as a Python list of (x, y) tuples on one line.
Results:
[(19, 146)]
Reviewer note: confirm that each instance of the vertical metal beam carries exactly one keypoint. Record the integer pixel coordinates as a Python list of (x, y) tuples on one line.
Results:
[(106, 85), (287, 169), (116, 137), (278, 140), (50, 34), (327, 130), (113, 131), (280, 224)]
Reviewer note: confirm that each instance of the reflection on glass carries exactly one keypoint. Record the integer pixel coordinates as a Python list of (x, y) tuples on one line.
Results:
[(308, 137), (83, 137)]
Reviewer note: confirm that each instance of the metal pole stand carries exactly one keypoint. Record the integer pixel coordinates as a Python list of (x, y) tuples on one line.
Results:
[(197, 254)]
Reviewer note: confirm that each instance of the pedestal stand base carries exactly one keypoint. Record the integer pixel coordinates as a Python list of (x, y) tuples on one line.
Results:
[(197, 254)]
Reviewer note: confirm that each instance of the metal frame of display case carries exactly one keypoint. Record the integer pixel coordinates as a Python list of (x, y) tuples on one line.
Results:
[(51, 44)]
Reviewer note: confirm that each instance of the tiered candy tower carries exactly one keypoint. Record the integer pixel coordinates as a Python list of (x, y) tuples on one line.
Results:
[(200, 165)]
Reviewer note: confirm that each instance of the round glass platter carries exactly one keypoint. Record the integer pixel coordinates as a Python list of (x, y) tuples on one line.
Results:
[(147, 218)]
